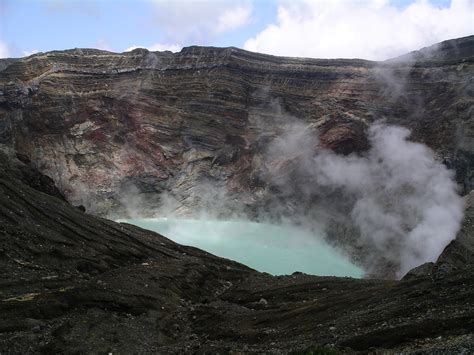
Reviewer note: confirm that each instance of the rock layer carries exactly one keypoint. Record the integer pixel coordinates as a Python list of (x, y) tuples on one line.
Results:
[(107, 125)]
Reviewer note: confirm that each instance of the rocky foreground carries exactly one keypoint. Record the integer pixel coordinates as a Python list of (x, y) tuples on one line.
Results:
[(74, 283)]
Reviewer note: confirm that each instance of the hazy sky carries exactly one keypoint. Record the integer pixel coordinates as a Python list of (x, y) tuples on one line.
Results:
[(370, 29)]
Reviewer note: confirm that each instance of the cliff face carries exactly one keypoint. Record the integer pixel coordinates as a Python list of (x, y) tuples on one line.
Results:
[(106, 125)]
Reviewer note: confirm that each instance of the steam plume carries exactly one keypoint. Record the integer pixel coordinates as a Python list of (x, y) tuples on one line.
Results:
[(402, 202)]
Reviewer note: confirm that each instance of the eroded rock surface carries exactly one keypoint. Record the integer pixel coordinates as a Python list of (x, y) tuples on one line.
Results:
[(105, 125)]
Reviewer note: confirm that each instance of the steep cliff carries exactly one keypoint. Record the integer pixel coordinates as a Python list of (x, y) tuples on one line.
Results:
[(107, 126)]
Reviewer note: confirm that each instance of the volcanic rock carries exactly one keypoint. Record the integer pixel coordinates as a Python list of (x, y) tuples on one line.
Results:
[(118, 132), (74, 283), (460, 251), (106, 125)]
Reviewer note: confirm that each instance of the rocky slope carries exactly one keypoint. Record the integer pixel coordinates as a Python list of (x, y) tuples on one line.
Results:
[(106, 126), (74, 283)]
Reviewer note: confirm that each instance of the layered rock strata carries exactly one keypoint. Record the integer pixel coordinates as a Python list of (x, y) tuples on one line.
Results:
[(107, 125)]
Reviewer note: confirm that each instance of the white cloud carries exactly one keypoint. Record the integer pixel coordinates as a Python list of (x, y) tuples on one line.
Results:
[(4, 50), (192, 22), (28, 53), (160, 47), (373, 29), (233, 18), (103, 44)]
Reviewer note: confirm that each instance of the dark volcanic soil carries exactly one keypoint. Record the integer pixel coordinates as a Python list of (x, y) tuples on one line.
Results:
[(74, 283)]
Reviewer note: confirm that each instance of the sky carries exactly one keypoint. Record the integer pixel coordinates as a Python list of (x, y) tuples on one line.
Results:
[(368, 29)]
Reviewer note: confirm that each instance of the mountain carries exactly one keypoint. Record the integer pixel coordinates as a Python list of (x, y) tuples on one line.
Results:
[(86, 133), (102, 124), (157, 133)]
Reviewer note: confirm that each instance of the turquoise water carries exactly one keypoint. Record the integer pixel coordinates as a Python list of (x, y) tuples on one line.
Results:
[(265, 247)]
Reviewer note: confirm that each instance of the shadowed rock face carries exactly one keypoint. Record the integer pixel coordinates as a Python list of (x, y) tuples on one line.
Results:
[(102, 124), (74, 283)]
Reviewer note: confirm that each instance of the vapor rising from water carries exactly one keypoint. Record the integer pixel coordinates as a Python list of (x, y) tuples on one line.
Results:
[(392, 207), (401, 201)]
